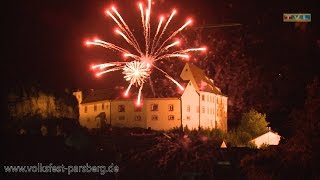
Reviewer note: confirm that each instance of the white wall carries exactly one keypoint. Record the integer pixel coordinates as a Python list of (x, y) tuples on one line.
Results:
[(207, 117), (221, 112), (269, 138), (128, 118), (163, 113), (190, 98)]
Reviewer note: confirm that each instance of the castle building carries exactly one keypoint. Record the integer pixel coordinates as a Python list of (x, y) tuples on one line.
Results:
[(201, 104)]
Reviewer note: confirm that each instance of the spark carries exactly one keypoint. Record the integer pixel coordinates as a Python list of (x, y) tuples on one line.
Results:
[(173, 44), (140, 62)]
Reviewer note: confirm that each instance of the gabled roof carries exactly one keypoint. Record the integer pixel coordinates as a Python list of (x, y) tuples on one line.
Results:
[(98, 95), (202, 81), (269, 132)]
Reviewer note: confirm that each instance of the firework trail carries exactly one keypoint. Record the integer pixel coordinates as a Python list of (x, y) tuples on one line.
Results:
[(143, 59)]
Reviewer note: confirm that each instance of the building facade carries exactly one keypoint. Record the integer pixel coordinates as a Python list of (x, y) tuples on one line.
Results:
[(200, 105)]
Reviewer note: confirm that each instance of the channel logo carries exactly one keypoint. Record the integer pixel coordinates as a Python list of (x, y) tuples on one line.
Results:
[(299, 17)]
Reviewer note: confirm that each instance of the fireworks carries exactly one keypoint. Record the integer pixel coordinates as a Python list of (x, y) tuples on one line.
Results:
[(145, 55)]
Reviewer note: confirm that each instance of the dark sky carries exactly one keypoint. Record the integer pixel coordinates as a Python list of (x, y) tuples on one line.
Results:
[(45, 37)]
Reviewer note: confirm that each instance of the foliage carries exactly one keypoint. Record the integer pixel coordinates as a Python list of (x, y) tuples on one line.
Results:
[(253, 123), (36, 102), (297, 157), (36, 110), (172, 157), (204, 133), (238, 138)]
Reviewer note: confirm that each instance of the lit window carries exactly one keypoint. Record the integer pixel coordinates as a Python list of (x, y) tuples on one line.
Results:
[(85, 109), (171, 117), (203, 98), (121, 118), (188, 108), (138, 118), (137, 108), (203, 109), (102, 106), (154, 117), (171, 107), (121, 108), (154, 107), (95, 108), (188, 118)]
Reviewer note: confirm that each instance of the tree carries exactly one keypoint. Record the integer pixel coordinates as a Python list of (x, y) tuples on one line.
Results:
[(31, 107), (253, 123), (298, 156)]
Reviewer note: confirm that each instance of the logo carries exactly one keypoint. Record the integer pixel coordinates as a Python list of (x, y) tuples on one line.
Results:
[(299, 17)]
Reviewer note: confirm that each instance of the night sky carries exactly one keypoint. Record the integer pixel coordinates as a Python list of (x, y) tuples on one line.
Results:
[(45, 38)]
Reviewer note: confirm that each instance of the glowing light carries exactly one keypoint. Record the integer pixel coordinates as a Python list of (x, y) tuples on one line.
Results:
[(139, 67)]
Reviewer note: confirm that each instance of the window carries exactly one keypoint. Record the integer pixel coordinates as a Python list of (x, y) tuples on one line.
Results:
[(107, 106), (137, 108), (85, 109), (121, 118), (121, 108), (138, 118), (188, 108), (208, 110), (207, 98), (171, 107), (171, 117), (95, 108), (203, 109), (198, 109), (154, 107), (203, 98), (154, 117), (102, 106), (210, 98), (188, 118)]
